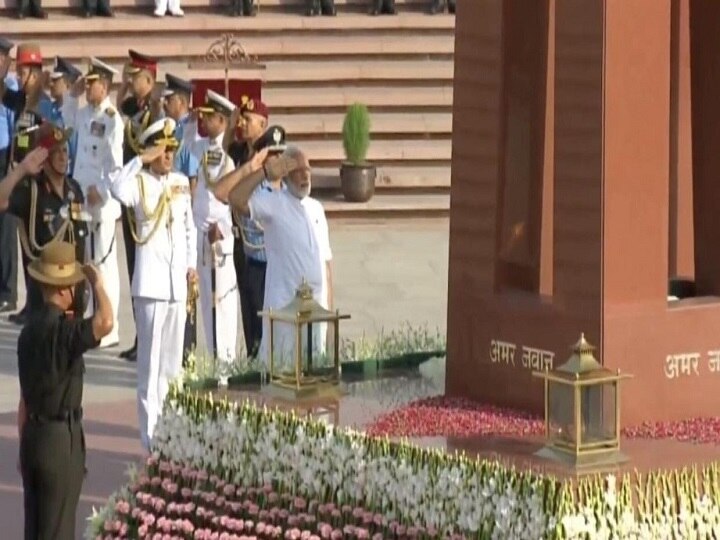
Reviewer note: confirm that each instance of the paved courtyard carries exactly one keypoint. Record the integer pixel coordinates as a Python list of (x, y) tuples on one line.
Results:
[(386, 273)]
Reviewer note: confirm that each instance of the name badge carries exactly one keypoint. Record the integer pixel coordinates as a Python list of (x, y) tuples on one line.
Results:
[(179, 190), (214, 158), (97, 129)]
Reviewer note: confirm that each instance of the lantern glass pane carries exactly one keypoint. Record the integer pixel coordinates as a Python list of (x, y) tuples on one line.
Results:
[(561, 411), (315, 354), (597, 412)]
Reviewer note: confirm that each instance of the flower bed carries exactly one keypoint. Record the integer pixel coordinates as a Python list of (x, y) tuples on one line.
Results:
[(395, 483), (452, 417), (403, 348)]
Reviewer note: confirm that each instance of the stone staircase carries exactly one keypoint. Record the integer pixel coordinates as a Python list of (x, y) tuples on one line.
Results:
[(401, 67)]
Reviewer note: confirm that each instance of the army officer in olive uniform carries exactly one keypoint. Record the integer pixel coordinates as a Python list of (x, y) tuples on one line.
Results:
[(47, 202), (51, 367)]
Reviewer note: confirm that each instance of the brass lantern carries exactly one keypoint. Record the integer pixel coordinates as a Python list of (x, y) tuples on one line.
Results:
[(582, 411), (309, 375)]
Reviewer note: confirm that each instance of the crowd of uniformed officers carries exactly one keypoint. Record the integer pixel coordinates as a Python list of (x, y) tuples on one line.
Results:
[(71, 171)]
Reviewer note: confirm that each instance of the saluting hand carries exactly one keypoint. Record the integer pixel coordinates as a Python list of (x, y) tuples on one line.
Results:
[(34, 161), (258, 159), (279, 167), (93, 275), (152, 153), (78, 88)]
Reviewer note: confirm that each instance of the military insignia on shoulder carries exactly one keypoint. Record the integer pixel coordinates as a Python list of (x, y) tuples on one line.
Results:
[(180, 190), (110, 112)]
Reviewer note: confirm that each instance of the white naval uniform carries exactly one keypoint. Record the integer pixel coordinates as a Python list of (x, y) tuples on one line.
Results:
[(99, 151), (159, 286), (207, 211), (297, 245)]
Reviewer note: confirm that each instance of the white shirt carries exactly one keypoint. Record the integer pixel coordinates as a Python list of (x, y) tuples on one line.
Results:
[(208, 210), (99, 150), (297, 244), (162, 263)]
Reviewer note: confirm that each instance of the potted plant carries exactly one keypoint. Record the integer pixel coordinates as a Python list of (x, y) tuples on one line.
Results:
[(357, 176)]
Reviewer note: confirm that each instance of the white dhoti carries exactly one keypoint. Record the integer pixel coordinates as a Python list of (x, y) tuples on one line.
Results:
[(160, 334), (101, 250), (220, 337)]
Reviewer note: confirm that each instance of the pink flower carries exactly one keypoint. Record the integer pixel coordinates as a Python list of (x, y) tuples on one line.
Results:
[(336, 513), (378, 520), (377, 536), (135, 514), (156, 481), (358, 513), (400, 530), (336, 534), (305, 535), (300, 503), (346, 509), (293, 521), (260, 528), (412, 532), (142, 530), (325, 530), (122, 507), (362, 534), (229, 490), (273, 498), (254, 510), (349, 530)]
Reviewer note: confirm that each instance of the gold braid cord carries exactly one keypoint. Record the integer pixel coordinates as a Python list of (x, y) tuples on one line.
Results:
[(28, 241), (157, 215), (131, 137), (222, 170)]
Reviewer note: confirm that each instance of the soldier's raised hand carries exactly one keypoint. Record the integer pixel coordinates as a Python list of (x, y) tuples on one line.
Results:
[(33, 162), (78, 87), (277, 167), (151, 153), (258, 159), (92, 274)]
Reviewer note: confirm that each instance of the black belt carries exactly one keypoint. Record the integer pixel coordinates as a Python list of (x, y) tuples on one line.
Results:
[(74, 415), (255, 262)]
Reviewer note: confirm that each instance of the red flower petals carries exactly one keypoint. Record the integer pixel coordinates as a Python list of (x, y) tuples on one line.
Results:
[(456, 417), (452, 417)]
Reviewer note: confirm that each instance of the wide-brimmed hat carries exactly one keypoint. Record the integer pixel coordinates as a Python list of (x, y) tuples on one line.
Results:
[(57, 266)]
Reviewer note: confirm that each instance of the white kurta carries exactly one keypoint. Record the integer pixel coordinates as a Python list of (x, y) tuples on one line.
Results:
[(99, 152), (297, 244), (159, 286), (216, 261)]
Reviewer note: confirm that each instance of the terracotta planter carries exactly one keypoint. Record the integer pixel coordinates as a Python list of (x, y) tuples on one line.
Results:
[(357, 182)]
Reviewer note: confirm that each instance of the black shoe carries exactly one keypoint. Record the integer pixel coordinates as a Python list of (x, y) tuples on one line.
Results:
[(248, 8), (106, 12), (40, 14), (21, 14), (87, 14), (438, 6), (389, 7), (6, 307), (313, 8), (131, 354), (451, 7)]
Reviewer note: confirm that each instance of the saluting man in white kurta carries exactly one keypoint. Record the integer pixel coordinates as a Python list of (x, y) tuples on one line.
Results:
[(218, 282), (165, 262), (99, 129)]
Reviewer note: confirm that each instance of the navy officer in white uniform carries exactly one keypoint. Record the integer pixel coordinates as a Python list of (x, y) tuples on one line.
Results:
[(218, 282), (165, 261), (99, 151)]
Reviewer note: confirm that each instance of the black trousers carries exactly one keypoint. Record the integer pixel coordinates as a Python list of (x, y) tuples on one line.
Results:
[(129, 251), (52, 461), (29, 6), (96, 6), (190, 340), (8, 244), (252, 296)]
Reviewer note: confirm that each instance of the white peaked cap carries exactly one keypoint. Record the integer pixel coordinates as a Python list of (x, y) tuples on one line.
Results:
[(216, 98), (157, 127), (97, 65)]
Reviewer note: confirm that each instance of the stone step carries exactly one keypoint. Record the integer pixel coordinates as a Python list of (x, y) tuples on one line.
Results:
[(295, 6), (388, 205), (315, 71), (194, 44), (392, 177), (382, 151), (342, 96), (305, 124)]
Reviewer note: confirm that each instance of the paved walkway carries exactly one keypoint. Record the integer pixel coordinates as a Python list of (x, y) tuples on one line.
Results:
[(386, 273)]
